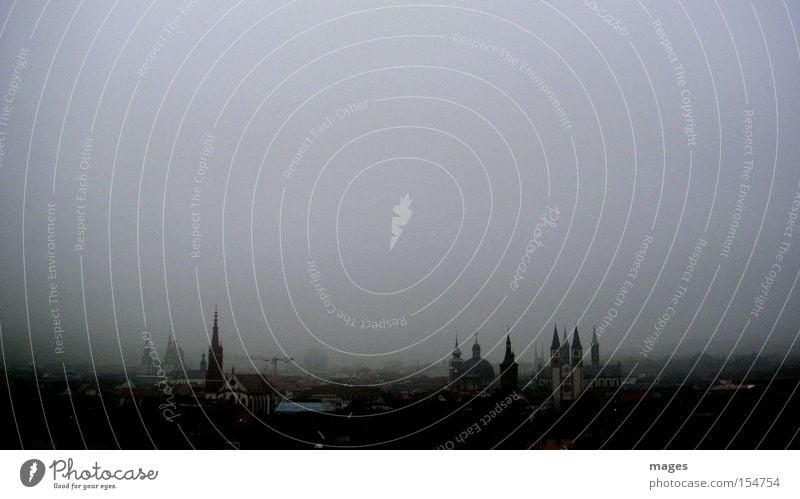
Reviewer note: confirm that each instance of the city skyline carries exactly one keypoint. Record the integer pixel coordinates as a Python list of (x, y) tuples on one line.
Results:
[(268, 216)]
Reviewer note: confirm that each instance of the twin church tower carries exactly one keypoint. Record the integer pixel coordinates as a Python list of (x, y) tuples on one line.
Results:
[(567, 378), (566, 366)]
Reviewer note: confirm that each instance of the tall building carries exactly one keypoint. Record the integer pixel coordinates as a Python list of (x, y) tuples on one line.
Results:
[(555, 369), (576, 360), (474, 374), (567, 368), (454, 365), (215, 377), (508, 369), (607, 377), (203, 364), (147, 368), (173, 359), (478, 373), (568, 379)]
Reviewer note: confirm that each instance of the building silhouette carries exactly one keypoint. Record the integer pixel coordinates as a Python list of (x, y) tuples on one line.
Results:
[(147, 367), (215, 377), (203, 364), (454, 365), (251, 391), (509, 370), (473, 374), (567, 377), (173, 358)]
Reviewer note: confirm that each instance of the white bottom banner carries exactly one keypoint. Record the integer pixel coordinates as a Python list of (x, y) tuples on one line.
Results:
[(336, 474)]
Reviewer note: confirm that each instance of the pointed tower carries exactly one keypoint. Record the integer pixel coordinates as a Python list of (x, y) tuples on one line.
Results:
[(566, 367), (203, 363), (476, 349), (509, 369), (214, 375), (577, 364), (555, 369), (147, 368), (595, 351), (454, 366), (555, 350), (172, 361)]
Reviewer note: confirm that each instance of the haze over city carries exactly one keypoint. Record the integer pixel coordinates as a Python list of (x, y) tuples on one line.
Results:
[(334, 190), (183, 181)]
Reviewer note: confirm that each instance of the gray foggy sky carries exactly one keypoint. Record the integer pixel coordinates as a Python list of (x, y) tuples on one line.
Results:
[(286, 133)]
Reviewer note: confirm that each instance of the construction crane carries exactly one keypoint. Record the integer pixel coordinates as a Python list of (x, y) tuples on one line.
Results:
[(274, 361)]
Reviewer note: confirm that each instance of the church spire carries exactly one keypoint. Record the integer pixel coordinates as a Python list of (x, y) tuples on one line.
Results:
[(454, 367), (555, 344), (215, 329), (576, 360), (456, 350), (508, 369), (509, 357), (576, 340), (214, 373)]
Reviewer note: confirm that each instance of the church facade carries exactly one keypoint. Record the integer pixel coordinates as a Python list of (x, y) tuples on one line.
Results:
[(252, 391), (567, 377)]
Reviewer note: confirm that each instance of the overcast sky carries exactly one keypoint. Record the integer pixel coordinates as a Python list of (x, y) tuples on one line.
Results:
[(254, 155)]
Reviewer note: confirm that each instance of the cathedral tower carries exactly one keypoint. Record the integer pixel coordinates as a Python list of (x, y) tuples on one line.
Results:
[(508, 369), (577, 364), (454, 366), (173, 358), (147, 368), (214, 375), (555, 369), (566, 367), (476, 349), (595, 351)]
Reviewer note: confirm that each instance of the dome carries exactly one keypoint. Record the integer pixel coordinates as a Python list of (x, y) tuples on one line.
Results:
[(478, 368)]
